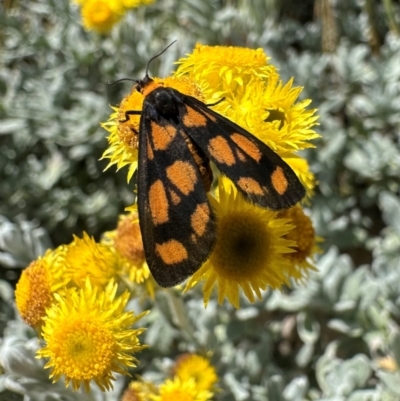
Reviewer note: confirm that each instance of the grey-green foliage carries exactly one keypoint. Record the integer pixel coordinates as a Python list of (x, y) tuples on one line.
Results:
[(320, 341)]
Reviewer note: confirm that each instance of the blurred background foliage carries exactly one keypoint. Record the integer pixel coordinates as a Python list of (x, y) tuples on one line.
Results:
[(337, 337)]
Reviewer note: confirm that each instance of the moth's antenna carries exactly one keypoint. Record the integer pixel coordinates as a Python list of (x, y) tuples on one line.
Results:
[(158, 55), (122, 79)]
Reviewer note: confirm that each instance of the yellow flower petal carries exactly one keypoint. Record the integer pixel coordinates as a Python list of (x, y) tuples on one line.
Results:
[(179, 390), (85, 258)]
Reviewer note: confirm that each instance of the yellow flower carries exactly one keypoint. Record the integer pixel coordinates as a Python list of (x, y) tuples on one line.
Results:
[(139, 391), (224, 71), (35, 288), (250, 250), (304, 236), (179, 390), (197, 367), (85, 258), (101, 15), (89, 336), (123, 139)]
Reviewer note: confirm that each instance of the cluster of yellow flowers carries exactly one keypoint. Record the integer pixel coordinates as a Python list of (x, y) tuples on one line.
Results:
[(102, 15), (75, 296), (194, 379), (274, 247)]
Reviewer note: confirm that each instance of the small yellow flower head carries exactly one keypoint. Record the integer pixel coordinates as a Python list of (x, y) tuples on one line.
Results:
[(179, 390), (304, 236), (89, 336), (35, 288), (224, 71), (127, 241), (197, 367), (250, 250), (139, 391), (123, 139), (101, 15), (84, 258)]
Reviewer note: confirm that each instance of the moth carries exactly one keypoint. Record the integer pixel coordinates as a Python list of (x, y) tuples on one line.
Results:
[(178, 137)]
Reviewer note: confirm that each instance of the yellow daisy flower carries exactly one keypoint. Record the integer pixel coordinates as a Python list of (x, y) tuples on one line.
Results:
[(197, 367), (177, 389), (84, 258), (250, 250), (101, 15), (224, 71), (36, 286), (139, 391), (89, 336), (304, 235)]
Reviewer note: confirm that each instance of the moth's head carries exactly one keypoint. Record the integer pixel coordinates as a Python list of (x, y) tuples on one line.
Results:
[(146, 85)]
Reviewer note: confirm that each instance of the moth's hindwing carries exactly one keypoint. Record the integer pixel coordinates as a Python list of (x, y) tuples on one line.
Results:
[(177, 223), (255, 169)]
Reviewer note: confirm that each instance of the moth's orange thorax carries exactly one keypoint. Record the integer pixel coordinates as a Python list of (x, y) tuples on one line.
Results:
[(149, 87)]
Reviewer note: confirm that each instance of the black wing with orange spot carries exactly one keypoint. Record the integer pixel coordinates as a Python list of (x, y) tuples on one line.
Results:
[(256, 170), (176, 221)]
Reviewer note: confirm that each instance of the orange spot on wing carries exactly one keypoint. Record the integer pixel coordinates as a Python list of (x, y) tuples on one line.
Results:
[(162, 136), (279, 181), (240, 155), (200, 218), (175, 197), (220, 150), (193, 118), (247, 146), (183, 175), (250, 185), (158, 203), (172, 252), (150, 153)]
